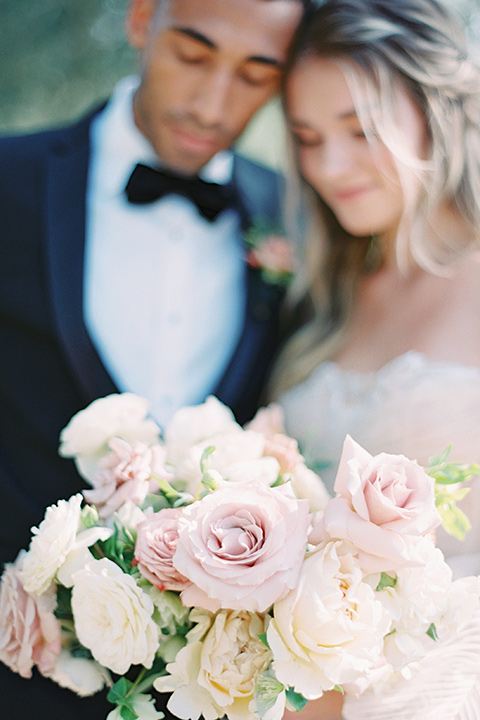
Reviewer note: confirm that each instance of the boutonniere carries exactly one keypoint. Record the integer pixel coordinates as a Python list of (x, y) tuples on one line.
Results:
[(271, 253)]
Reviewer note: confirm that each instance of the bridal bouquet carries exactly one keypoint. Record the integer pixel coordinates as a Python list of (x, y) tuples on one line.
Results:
[(212, 564)]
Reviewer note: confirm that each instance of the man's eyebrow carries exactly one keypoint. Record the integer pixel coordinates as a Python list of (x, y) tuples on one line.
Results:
[(190, 32), (200, 37)]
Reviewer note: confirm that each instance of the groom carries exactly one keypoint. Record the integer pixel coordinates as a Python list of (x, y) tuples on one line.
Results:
[(115, 278)]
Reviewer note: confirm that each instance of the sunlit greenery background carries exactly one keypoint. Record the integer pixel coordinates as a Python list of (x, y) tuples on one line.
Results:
[(59, 57)]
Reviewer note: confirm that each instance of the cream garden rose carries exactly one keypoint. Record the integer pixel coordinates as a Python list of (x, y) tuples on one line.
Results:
[(330, 628), (241, 546), (113, 617), (384, 504), (216, 672)]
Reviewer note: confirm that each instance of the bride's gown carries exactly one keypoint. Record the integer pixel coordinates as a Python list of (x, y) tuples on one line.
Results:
[(415, 407)]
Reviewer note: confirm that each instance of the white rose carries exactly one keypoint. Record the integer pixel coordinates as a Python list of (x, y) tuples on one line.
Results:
[(328, 630), (59, 540), (307, 484), (190, 425), (86, 436), (418, 599), (232, 449), (83, 676), (223, 664), (113, 617)]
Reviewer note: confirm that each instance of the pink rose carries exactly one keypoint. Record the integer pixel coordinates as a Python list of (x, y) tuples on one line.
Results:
[(156, 544), (273, 254), (384, 504), (268, 421), (285, 450), (242, 547), (30, 634), (126, 475)]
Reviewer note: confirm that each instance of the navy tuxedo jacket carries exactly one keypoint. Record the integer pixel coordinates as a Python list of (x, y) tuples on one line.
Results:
[(49, 368)]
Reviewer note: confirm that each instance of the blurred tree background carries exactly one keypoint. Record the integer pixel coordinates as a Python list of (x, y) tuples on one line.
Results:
[(60, 57), (57, 58)]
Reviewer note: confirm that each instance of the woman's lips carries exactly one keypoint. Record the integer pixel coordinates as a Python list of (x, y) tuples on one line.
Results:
[(349, 194)]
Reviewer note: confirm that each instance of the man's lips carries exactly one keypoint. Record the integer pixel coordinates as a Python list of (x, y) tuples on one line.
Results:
[(196, 143)]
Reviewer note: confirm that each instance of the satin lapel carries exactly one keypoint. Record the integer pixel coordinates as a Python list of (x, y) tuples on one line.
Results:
[(65, 217)]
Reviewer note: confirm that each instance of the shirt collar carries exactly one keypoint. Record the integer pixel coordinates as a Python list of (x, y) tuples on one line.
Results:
[(121, 145)]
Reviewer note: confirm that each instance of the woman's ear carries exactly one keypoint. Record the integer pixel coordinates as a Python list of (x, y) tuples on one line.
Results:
[(138, 22)]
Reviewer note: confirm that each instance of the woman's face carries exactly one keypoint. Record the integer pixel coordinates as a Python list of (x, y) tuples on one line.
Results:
[(357, 178)]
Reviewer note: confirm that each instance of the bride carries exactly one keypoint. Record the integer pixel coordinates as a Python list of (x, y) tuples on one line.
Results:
[(383, 105)]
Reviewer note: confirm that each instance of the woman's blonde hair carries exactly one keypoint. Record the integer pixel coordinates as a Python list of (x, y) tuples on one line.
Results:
[(385, 47)]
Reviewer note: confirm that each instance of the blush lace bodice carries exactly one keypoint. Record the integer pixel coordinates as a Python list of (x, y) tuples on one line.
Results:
[(412, 406)]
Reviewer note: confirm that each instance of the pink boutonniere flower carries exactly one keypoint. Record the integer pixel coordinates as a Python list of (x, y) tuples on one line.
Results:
[(271, 253)]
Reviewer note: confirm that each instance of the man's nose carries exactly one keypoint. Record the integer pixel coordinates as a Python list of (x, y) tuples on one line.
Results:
[(210, 102)]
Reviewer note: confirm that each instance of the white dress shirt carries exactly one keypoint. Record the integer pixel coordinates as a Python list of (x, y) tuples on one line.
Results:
[(164, 287)]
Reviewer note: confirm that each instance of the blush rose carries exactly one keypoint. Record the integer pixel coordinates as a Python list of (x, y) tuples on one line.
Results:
[(384, 504), (30, 634), (242, 547), (155, 547)]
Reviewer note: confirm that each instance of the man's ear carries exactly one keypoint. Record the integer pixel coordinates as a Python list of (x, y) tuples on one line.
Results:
[(138, 22)]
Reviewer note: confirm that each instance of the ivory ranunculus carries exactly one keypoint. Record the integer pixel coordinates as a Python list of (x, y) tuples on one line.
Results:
[(59, 539), (88, 433), (384, 504), (155, 547), (330, 628), (30, 634), (113, 617), (216, 672), (241, 547)]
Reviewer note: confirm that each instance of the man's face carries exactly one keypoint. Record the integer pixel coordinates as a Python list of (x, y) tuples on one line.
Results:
[(207, 66)]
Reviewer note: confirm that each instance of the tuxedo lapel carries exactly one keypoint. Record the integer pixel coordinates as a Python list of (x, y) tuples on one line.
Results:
[(242, 381), (66, 179)]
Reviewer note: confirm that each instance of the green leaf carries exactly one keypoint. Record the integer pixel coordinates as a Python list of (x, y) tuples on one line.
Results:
[(454, 520), (118, 691), (205, 455), (339, 689), (210, 480), (168, 490), (263, 638), (296, 700), (64, 603), (266, 691), (157, 502), (119, 548), (432, 632), (128, 713), (386, 581)]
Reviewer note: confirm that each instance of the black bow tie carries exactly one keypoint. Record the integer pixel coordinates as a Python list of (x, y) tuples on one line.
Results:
[(147, 185)]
